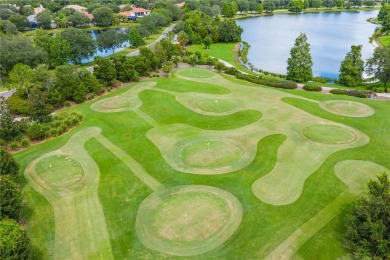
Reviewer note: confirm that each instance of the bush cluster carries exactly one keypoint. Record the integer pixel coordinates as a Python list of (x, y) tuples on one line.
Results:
[(309, 87), (285, 84), (351, 92)]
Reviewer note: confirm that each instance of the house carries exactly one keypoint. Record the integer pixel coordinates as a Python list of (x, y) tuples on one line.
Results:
[(180, 5), (89, 15), (39, 9), (135, 13), (76, 7)]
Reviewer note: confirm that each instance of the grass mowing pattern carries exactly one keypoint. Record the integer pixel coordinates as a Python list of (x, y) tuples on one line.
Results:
[(188, 220), (347, 108), (121, 193), (329, 134)]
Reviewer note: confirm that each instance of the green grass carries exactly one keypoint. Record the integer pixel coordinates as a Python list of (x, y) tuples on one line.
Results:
[(385, 40), (263, 226)]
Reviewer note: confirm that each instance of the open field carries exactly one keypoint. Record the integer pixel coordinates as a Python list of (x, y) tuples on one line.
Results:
[(205, 166)]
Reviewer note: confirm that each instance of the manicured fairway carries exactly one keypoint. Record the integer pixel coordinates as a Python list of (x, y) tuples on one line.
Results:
[(205, 166)]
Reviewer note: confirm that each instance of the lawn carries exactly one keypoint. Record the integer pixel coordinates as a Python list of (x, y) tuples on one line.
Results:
[(205, 166)]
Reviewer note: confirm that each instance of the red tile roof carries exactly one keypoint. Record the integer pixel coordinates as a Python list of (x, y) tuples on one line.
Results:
[(140, 10)]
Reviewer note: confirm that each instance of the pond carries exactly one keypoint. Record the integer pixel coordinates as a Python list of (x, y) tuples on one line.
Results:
[(104, 53), (330, 36)]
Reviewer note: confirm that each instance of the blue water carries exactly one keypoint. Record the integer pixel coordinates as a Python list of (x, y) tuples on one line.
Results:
[(107, 52), (330, 36)]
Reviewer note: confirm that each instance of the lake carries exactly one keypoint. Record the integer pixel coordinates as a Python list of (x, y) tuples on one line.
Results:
[(105, 53), (330, 36)]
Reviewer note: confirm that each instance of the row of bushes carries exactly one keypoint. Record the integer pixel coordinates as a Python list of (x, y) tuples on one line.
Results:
[(285, 84), (351, 92), (309, 87), (244, 51), (35, 131)]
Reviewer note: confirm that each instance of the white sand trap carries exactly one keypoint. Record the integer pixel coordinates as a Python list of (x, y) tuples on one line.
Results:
[(347, 108), (188, 220)]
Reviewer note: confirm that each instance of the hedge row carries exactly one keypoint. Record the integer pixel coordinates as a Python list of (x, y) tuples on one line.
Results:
[(351, 92), (312, 88)]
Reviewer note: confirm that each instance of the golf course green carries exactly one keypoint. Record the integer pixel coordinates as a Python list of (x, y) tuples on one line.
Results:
[(203, 166)]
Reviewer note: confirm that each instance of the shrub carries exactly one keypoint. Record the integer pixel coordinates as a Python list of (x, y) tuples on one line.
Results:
[(380, 90), (312, 88), (54, 132), (350, 92), (10, 198), (285, 84), (338, 91), (14, 242), (25, 143), (18, 105), (36, 131), (14, 146), (8, 165), (67, 104), (320, 79)]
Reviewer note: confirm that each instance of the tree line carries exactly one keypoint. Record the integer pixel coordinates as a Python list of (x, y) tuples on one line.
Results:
[(299, 65)]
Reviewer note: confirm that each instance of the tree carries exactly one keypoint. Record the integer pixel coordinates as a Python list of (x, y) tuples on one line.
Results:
[(385, 9), (14, 243), (110, 39), (227, 10), (103, 16), (135, 38), (8, 28), (386, 23), (125, 69), (83, 45), (183, 38), (79, 19), (368, 225), (8, 165), (269, 6), (21, 76), (104, 70), (167, 67), (19, 49), (44, 20), (207, 41), (352, 67), (260, 8), (328, 3), (295, 6), (39, 107), (317, 3), (300, 64), (243, 6), (339, 3), (9, 129), (10, 198), (20, 21), (379, 65), (229, 31), (58, 49)]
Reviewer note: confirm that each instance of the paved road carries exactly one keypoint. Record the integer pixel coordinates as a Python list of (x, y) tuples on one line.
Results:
[(7, 94), (135, 53)]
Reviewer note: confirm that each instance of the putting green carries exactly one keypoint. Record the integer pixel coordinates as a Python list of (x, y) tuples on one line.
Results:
[(187, 220), (196, 73), (60, 171), (211, 154), (329, 134), (356, 173), (192, 150), (347, 108), (124, 102), (214, 105)]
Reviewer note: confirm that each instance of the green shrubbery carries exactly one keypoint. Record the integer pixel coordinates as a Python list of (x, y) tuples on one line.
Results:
[(309, 87), (285, 84), (350, 92)]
